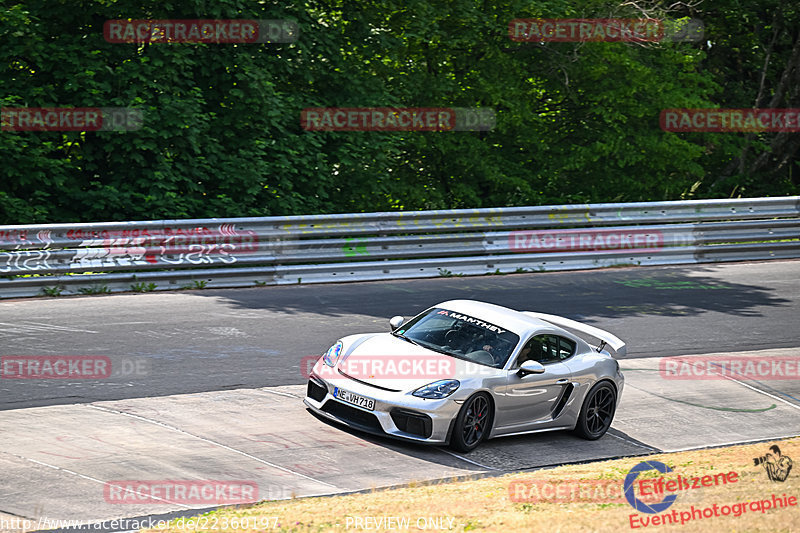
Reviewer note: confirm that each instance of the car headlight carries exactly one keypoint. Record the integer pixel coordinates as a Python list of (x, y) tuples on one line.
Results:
[(332, 355), (438, 389)]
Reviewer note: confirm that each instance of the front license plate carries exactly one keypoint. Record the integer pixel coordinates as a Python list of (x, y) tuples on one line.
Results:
[(355, 399)]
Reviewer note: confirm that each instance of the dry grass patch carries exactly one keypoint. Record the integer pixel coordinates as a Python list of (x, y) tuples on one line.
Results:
[(486, 504)]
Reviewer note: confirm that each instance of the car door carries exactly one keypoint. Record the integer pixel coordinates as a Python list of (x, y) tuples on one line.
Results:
[(528, 401)]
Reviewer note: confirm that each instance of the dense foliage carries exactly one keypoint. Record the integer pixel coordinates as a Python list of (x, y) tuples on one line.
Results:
[(576, 122)]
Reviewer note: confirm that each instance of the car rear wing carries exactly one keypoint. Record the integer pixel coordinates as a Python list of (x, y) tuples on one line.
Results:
[(612, 340)]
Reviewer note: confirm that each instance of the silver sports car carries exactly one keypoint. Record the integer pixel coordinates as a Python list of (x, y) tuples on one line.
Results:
[(464, 371)]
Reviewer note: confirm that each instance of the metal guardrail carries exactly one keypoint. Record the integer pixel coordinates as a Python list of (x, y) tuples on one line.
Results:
[(240, 252)]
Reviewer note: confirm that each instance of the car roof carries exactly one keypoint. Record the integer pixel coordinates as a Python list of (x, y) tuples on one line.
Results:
[(515, 321)]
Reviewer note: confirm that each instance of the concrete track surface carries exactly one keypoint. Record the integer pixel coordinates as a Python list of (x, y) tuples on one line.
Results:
[(207, 385)]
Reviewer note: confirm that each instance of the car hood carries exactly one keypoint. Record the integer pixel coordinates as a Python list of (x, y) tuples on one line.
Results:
[(388, 362)]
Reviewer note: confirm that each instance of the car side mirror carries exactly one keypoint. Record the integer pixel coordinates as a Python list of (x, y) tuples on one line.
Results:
[(396, 322), (530, 367)]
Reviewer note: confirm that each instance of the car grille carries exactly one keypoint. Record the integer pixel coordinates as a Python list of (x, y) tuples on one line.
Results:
[(316, 391), (367, 383), (353, 416), (413, 423)]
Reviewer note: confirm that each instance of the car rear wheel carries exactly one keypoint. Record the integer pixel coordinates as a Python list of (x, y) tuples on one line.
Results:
[(597, 411), (473, 423)]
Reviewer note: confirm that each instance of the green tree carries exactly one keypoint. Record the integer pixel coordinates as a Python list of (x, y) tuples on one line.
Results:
[(576, 122)]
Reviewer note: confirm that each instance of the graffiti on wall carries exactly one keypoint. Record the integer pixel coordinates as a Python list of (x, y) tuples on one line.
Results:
[(79, 248)]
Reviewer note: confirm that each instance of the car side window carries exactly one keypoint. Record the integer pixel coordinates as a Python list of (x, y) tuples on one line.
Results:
[(566, 348), (527, 353), (541, 348), (551, 349)]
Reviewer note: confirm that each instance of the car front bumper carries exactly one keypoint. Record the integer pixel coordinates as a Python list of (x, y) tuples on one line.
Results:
[(396, 413)]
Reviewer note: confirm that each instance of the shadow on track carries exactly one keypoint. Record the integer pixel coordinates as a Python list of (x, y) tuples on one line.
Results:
[(608, 293)]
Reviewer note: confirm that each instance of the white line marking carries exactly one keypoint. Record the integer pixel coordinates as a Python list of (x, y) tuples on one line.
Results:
[(288, 395), (125, 323), (37, 326), (763, 439), (209, 441), (465, 459), (90, 478), (63, 328)]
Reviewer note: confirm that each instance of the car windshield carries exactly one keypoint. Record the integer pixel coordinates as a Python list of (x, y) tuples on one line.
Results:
[(461, 336)]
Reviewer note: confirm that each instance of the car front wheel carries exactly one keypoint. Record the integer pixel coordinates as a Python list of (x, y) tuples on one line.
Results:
[(597, 411), (473, 423)]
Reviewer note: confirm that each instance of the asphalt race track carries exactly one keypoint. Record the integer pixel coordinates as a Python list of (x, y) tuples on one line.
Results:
[(208, 384)]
